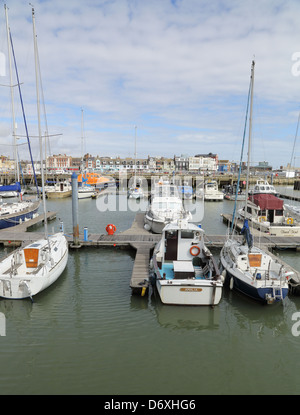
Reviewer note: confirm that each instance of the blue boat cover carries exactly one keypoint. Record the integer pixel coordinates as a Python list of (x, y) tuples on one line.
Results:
[(11, 188), (247, 234)]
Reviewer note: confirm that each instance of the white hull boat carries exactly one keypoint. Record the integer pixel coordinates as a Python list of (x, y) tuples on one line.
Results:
[(267, 214), (211, 191), (59, 190), (165, 206), (263, 187), (29, 270), (86, 192), (33, 268)]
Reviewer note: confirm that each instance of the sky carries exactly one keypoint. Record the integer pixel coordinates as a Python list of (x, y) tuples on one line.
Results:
[(177, 70)]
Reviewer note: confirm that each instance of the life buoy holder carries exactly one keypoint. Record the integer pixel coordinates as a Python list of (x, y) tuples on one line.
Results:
[(110, 229), (194, 247), (262, 219), (290, 221)]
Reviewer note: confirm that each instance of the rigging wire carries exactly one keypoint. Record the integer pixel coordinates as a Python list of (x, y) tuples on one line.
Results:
[(241, 158)]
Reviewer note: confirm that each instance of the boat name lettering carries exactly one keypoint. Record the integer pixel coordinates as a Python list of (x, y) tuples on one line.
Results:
[(191, 289)]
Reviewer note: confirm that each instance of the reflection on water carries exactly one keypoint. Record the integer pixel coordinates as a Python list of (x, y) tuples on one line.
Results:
[(87, 334)]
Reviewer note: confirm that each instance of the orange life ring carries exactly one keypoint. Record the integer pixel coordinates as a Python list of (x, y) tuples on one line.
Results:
[(110, 229), (192, 250)]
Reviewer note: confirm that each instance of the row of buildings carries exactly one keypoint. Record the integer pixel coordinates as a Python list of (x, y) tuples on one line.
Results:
[(195, 164), (200, 162)]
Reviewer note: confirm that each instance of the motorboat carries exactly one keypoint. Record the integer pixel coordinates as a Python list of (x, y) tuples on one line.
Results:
[(231, 193), (262, 186), (266, 213), (59, 190), (247, 268), (165, 206), (211, 191), (86, 192), (185, 272)]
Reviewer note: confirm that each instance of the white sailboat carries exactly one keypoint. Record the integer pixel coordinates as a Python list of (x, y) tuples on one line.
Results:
[(11, 214), (248, 268), (31, 269)]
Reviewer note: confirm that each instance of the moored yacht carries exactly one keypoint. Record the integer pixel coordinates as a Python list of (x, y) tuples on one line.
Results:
[(266, 213), (185, 271), (263, 187), (211, 191), (59, 190), (165, 206), (250, 269)]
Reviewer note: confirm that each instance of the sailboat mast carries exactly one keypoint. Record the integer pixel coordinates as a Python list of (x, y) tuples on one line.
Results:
[(250, 134), (39, 121), (135, 127), (82, 143), (12, 96)]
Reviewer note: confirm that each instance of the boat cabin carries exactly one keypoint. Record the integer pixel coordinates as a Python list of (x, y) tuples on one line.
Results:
[(263, 187), (179, 243), (266, 208)]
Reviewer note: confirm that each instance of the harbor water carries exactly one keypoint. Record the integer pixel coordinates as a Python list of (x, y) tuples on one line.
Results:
[(87, 334)]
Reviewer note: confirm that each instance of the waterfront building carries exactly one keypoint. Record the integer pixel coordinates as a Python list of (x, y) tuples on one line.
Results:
[(59, 162)]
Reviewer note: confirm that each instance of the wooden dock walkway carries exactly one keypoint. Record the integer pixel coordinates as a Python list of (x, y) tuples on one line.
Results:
[(135, 237), (279, 242), (17, 235)]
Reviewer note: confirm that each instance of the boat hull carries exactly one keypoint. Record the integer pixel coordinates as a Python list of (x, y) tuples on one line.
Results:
[(155, 225), (58, 195), (14, 219), (189, 292), (266, 291), (86, 194), (258, 294), (214, 197)]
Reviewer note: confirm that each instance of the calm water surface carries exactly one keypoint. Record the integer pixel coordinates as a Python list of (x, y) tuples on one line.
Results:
[(87, 334)]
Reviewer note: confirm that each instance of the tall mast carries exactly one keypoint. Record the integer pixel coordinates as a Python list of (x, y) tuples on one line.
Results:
[(135, 127), (39, 120), (17, 174), (250, 134), (82, 142)]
